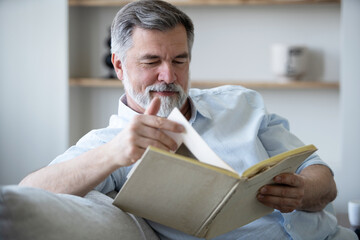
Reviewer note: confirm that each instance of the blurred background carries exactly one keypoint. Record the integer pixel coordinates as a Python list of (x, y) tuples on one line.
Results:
[(54, 84)]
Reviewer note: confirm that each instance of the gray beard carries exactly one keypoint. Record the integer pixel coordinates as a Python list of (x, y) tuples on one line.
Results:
[(167, 103)]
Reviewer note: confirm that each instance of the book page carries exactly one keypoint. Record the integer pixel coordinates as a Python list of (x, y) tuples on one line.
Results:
[(194, 142), (270, 162)]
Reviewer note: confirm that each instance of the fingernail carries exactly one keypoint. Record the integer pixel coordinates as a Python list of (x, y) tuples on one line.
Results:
[(263, 190), (260, 196), (277, 179)]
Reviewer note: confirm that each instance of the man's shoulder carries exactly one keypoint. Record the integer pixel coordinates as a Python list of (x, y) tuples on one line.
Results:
[(228, 94), (225, 89), (98, 136)]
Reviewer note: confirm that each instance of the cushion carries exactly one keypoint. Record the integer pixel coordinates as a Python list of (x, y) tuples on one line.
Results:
[(30, 213)]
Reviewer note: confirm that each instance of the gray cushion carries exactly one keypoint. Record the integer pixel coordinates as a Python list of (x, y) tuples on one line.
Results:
[(29, 213)]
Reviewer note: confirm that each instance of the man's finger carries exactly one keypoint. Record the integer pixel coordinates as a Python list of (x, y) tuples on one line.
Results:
[(282, 204), (289, 179), (154, 106), (282, 191)]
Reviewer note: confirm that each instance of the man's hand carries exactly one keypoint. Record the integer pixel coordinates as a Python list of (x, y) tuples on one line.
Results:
[(286, 194), (144, 130), (84, 172), (311, 190)]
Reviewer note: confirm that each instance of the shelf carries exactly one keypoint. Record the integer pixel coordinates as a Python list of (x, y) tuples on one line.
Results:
[(102, 82), (198, 2)]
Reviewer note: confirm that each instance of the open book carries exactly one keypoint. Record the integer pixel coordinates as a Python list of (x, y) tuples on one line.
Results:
[(203, 197)]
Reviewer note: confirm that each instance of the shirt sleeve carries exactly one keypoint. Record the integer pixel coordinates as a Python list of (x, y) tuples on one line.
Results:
[(275, 135), (91, 140)]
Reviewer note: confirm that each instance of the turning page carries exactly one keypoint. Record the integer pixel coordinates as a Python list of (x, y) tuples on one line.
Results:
[(194, 142)]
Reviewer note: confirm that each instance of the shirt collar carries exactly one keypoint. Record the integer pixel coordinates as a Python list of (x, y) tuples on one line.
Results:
[(197, 108), (124, 116), (124, 109)]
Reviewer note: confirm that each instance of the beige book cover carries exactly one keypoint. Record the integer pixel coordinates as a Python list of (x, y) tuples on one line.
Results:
[(203, 199)]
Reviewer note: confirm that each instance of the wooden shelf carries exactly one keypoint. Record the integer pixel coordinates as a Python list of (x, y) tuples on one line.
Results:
[(103, 82), (199, 2)]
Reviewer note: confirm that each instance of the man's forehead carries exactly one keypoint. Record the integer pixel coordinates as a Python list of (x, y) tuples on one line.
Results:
[(176, 35), (154, 43)]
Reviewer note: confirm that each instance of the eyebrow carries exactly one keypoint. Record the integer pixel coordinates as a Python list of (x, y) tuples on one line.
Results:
[(152, 56), (183, 55), (149, 56)]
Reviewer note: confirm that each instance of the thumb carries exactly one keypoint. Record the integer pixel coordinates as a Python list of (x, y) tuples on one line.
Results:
[(154, 106)]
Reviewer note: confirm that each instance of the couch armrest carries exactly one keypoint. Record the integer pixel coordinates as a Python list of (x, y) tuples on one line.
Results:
[(30, 213)]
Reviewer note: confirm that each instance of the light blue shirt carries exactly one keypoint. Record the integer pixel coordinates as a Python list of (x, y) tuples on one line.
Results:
[(235, 124)]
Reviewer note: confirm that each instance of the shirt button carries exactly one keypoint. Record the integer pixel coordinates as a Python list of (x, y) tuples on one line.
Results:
[(288, 226)]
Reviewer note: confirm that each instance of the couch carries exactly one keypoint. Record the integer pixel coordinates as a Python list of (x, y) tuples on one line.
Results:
[(30, 213)]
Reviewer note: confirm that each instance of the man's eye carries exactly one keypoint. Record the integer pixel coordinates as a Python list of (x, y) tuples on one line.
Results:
[(150, 63), (178, 62)]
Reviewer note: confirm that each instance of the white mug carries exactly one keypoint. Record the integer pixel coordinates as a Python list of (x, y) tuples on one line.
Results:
[(354, 213), (288, 62)]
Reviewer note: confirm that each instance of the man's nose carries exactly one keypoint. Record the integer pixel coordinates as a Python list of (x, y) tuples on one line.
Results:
[(167, 73)]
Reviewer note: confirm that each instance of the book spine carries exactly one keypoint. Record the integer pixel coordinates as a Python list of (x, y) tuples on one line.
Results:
[(204, 228)]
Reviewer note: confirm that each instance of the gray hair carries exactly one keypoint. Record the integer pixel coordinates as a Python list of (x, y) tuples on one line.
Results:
[(146, 14)]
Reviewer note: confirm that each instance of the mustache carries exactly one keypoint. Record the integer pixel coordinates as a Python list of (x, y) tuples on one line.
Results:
[(163, 87)]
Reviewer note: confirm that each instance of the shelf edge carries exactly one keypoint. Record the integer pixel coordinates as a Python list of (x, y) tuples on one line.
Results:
[(98, 3), (102, 82)]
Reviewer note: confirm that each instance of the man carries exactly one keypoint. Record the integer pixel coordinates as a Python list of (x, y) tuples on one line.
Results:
[(151, 52)]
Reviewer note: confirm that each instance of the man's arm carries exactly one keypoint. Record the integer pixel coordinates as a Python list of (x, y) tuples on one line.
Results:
[(311, 190), (80, 175), (77, 176)]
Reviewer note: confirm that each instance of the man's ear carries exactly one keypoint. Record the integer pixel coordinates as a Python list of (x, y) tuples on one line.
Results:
[(117, 66)]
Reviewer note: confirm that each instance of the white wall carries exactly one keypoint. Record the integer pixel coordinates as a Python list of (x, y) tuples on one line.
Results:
[(33, 85), (91, 108), (234, 42), (347, 176)]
